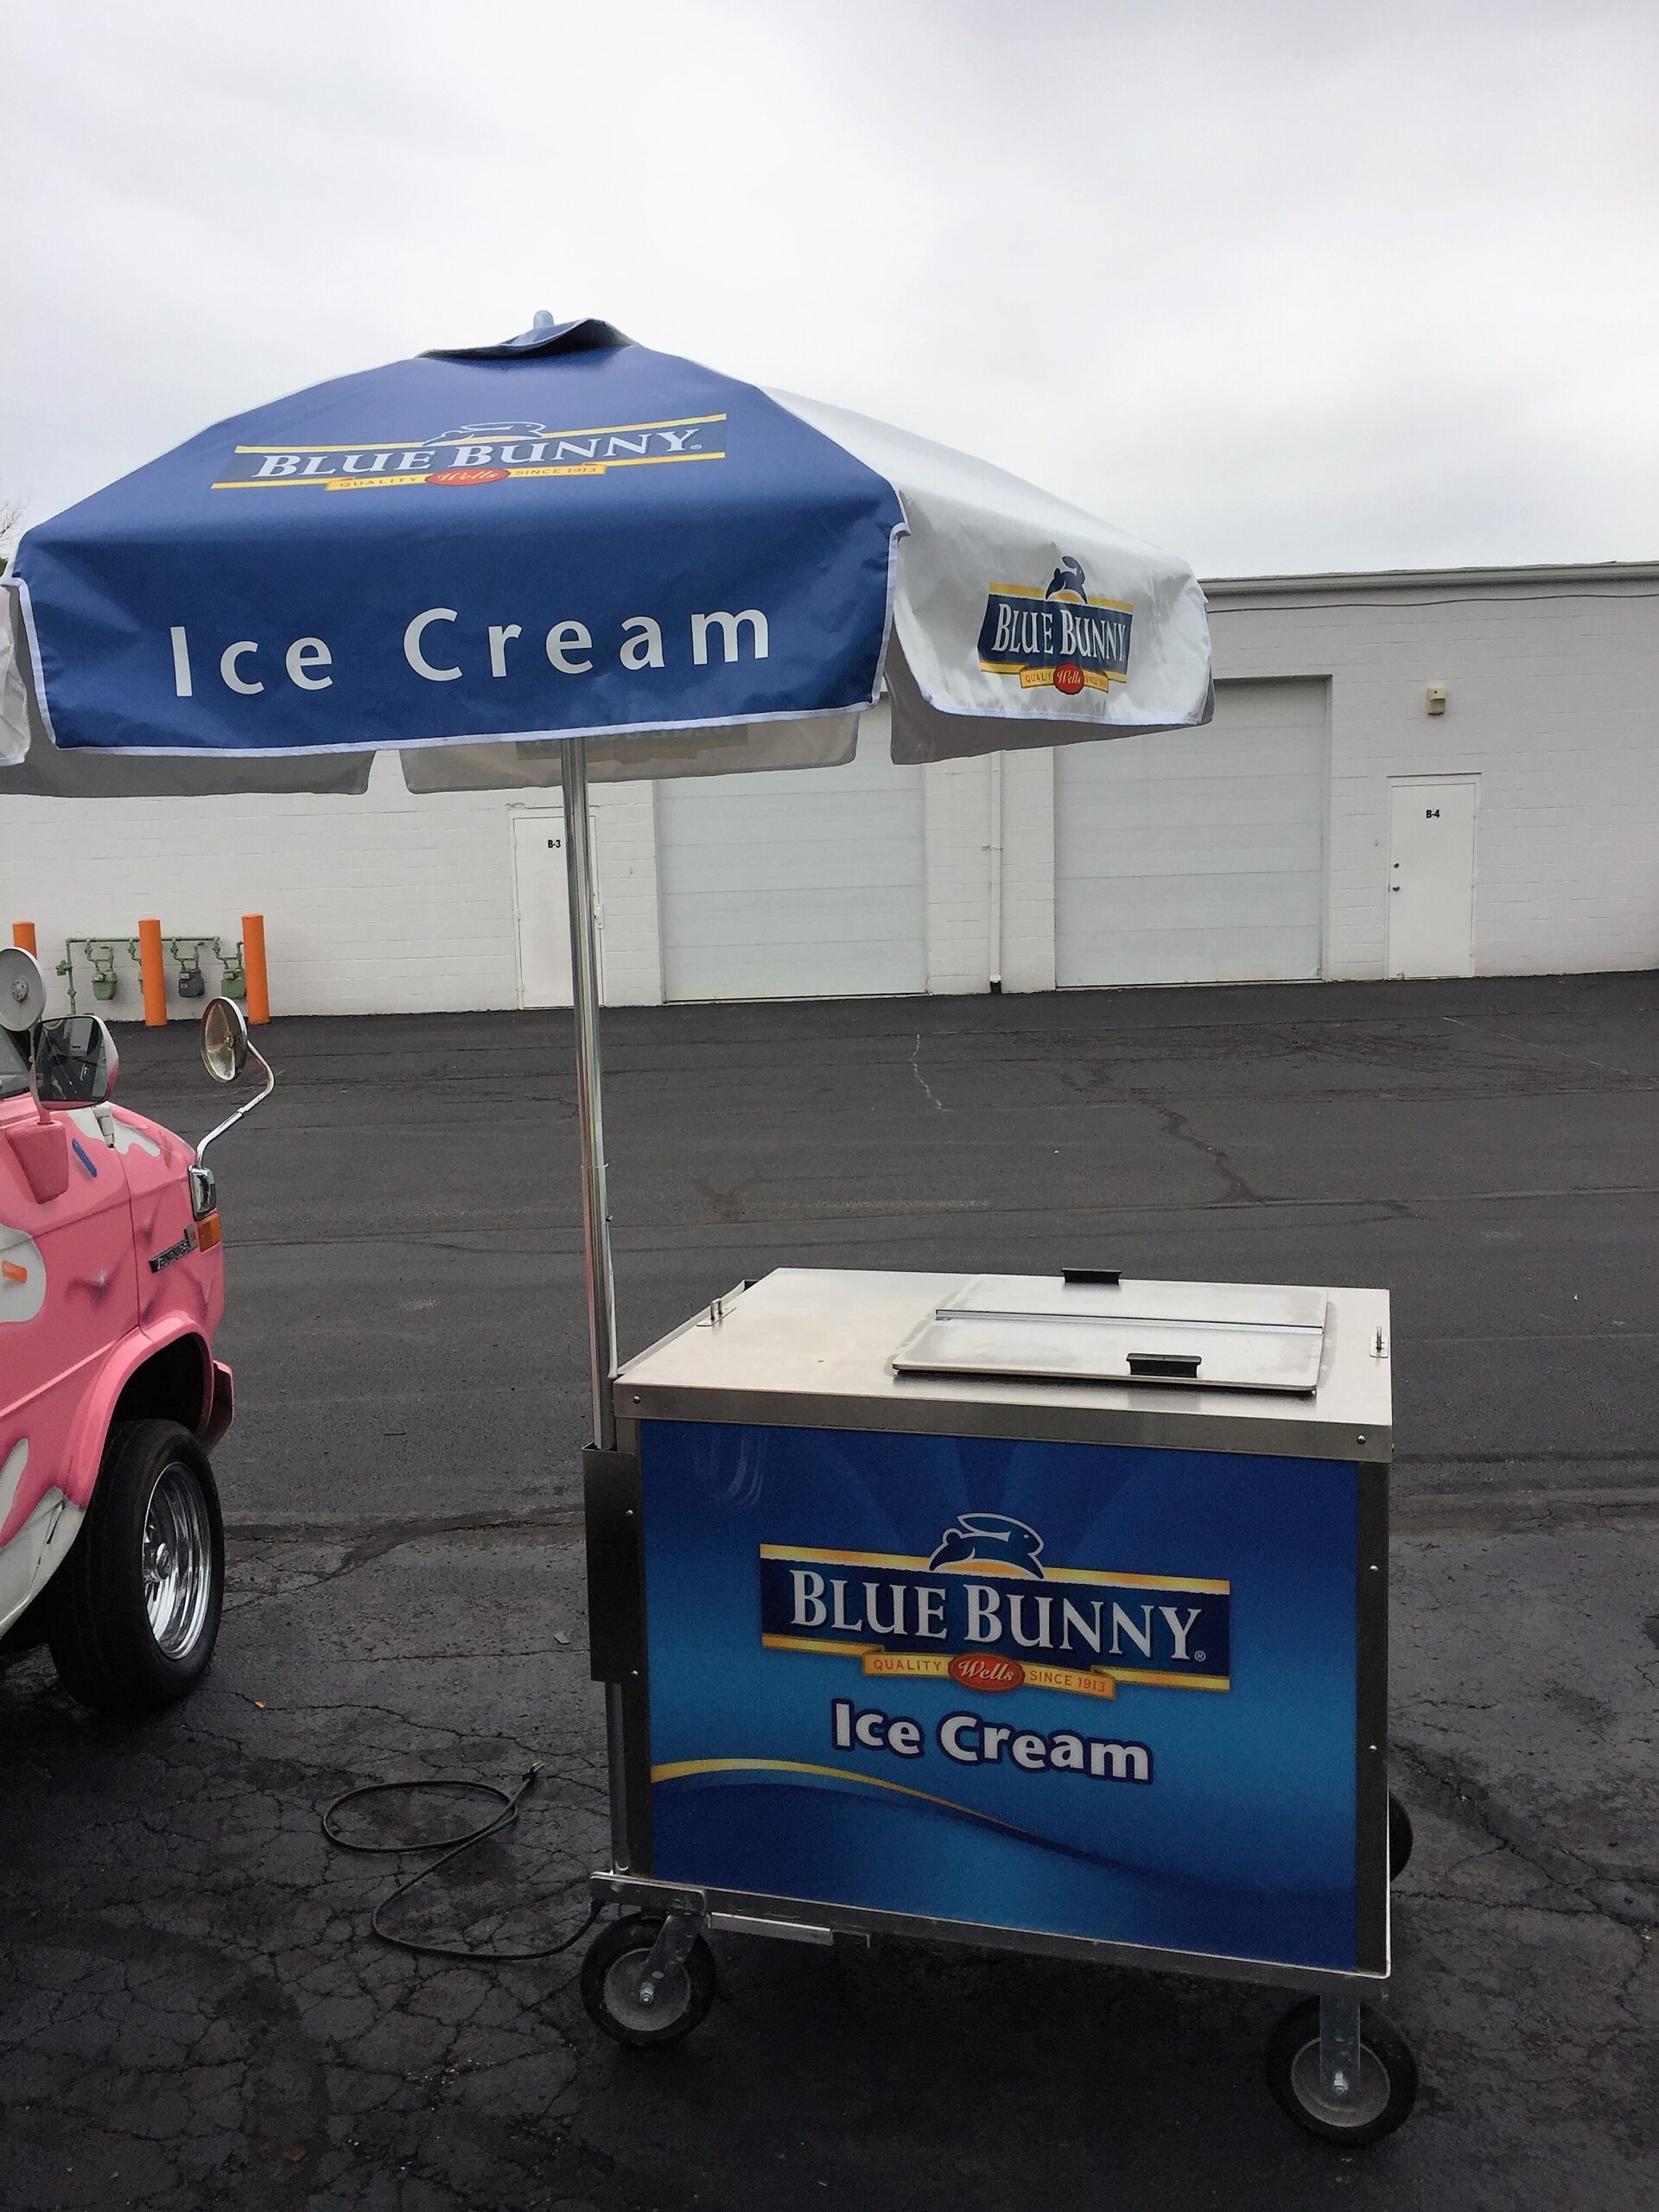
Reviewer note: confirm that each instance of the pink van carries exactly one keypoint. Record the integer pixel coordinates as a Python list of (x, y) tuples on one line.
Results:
[(111, 1285)]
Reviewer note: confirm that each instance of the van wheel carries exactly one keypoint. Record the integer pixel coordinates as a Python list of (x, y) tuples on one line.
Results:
[(135, 1607)]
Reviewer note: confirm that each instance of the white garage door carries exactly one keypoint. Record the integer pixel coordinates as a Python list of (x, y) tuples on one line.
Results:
[(1195, 856), (802, 884)]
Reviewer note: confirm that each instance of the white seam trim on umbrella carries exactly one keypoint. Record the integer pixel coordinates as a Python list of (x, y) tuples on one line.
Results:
[(480, 737), (38, 669), (900, 528), (1064, 721)]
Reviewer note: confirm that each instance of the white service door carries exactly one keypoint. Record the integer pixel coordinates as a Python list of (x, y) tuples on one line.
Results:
[(540, 902), (1195, 856), (803, 883), (1431, 876)]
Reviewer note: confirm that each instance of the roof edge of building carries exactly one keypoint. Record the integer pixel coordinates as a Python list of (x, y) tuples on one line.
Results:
[(1341, 583)]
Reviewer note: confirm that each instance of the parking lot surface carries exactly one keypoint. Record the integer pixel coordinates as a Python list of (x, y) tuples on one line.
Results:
[(195, 2013)]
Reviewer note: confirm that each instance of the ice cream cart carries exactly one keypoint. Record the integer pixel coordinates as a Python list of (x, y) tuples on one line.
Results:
[(1042, 1614), (1045, 1613)]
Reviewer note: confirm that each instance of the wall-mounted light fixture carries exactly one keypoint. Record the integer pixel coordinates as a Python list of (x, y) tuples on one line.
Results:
[(1437, 698)]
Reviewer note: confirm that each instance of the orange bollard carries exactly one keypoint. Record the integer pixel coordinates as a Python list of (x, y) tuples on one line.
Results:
[(153, 974), (23, 933), (253, 967)]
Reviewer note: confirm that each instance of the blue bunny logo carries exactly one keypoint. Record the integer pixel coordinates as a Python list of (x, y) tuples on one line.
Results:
[(990, 1539)]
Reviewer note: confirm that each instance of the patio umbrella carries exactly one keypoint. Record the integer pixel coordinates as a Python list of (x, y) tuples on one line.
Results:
[(567, 553)]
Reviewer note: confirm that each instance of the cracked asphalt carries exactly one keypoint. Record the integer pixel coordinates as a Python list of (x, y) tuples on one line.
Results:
[(194, 2013)]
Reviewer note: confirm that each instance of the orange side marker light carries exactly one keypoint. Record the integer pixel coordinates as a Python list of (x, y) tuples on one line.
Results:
[(12, 1271), (209, 1232)]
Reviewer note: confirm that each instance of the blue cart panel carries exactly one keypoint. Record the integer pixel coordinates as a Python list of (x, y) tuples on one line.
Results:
[(1086, 1690)]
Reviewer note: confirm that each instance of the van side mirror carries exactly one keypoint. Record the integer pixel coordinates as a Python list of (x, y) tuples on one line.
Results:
[(226, 1048), (22, 990), (224, 1039), (75, 1061)]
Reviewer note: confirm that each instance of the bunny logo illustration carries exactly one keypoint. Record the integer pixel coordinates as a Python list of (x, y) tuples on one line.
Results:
[(989, 1539)]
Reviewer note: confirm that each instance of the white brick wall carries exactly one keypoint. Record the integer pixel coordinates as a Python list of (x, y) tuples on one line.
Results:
[(1552, 700), (625, 837), (394, 903), (1029, 871), (963, 947), (956, 825), (387, 904)]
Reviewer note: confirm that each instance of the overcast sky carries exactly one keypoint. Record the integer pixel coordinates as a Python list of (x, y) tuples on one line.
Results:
[(1281, 284)]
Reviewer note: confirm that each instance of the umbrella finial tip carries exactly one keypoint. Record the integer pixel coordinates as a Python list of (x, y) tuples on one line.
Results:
[(543, 320)]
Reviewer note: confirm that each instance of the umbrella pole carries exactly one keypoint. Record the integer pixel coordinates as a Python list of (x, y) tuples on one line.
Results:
[(584, 992)]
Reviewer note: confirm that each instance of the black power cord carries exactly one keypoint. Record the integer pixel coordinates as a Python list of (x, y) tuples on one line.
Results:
[(449, 1847)]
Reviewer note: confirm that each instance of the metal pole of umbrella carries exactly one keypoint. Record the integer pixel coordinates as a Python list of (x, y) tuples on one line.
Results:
[(584, 995)]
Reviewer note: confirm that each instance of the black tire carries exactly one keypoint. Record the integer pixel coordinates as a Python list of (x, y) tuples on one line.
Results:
[(1401, 1838), (611, 1970), (1388, 2078), (26, 1633), (108, 1652)]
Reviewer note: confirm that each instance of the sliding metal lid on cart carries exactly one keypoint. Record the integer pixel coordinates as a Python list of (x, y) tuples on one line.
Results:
[(1098, 1329)]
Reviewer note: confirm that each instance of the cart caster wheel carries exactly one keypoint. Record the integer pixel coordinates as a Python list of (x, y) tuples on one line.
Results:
[(1388, 2079), (611, 1975), (1400, 1838)]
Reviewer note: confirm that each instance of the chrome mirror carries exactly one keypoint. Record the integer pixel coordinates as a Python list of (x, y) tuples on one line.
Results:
[(22, 990), (225, 1045), (226, 1048)]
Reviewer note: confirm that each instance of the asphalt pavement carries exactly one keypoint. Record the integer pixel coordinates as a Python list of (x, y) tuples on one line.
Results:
[(194, 2013)]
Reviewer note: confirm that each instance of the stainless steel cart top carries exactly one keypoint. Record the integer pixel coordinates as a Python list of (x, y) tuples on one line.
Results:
[(1239, 1367)]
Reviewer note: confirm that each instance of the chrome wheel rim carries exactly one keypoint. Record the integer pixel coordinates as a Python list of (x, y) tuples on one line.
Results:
[(622, 1983), (178, 1561), (1370, 2103)]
